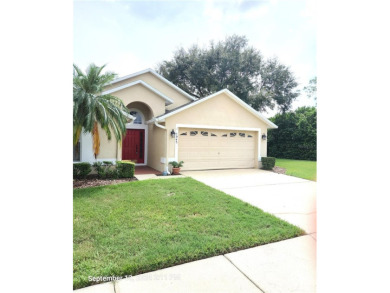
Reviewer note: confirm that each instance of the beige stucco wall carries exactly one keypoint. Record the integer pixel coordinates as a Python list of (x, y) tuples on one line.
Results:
[(178, 98), (108, 148), (220, 111), (156, 147)]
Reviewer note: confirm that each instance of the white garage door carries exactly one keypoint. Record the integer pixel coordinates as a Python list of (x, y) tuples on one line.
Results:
[(202, 149)]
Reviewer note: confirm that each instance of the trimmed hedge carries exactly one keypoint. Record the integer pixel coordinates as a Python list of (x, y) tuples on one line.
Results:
[(296, 135), (268, 163), (106, 170), (125, 169), (81, 170)]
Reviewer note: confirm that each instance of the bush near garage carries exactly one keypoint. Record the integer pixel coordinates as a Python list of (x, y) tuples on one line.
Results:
[(296, 135), (81, 170), (268, 163)]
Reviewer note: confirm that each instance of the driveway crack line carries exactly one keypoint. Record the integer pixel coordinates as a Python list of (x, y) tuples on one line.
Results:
[(244, 274)]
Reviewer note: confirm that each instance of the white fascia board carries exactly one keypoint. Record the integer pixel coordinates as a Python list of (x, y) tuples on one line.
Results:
[(155, 120), (151, 121), (163, 79), (230, 94), (168, 101)]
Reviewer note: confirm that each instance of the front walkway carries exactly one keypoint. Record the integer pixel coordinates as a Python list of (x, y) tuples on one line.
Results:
[(142, 170)]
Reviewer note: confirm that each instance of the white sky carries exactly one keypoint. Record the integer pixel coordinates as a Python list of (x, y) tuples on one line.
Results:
[(130, 36)]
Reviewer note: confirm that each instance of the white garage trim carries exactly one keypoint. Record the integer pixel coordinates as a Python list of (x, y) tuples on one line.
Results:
[(216, 127)]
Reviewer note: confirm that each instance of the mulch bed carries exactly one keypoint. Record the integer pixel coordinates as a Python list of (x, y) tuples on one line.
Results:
[(279, 170), (95, 181)]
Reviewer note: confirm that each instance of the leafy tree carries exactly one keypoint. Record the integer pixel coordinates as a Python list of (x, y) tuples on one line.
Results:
[(232, 64), (296, 135), (311, 89), (91, 108)]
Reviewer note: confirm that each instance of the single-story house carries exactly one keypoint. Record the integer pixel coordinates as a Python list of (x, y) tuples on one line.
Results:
[(219, 131)]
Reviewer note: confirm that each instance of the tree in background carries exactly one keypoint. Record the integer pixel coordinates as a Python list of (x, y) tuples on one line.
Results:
[(232, 64), (91, 108), (296, 135), (311, 89)]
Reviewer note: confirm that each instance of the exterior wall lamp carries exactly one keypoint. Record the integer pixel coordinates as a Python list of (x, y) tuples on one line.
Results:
[(264, 137), (173, 133)]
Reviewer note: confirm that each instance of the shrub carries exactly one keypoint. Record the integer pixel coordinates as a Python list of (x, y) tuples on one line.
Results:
[(296, 135), (125, 169), (106, 169), (268, 163), (98, 168), (176, 164), (81, 170)]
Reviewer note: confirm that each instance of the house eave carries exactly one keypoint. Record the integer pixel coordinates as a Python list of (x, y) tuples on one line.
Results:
[(163, 79), (168, 101), (270, 124)]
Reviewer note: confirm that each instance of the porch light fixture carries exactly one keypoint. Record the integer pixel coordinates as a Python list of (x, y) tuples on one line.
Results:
[(173, 133), (264, 137)]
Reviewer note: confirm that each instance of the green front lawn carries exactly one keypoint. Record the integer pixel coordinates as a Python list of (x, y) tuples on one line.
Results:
[(299, 168), (141, 226)]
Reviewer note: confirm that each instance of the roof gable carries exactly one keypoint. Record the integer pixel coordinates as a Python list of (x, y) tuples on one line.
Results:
[(160, 77), (229, 94), (168, 101)]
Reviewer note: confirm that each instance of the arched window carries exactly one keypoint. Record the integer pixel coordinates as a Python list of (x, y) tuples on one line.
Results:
[(138, 116)]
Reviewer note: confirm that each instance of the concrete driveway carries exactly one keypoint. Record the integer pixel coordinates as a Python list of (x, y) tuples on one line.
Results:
[(289, 198)]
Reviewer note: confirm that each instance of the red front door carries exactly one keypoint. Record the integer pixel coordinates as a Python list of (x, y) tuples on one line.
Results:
[(133, 145)]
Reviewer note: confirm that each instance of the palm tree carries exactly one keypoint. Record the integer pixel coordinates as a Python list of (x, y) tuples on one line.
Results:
[(91, 108)]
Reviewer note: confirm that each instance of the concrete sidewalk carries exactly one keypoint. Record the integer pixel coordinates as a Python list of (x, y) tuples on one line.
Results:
[(285, 266)]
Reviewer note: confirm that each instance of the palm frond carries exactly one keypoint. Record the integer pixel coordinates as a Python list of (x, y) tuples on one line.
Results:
[(91, 109)]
